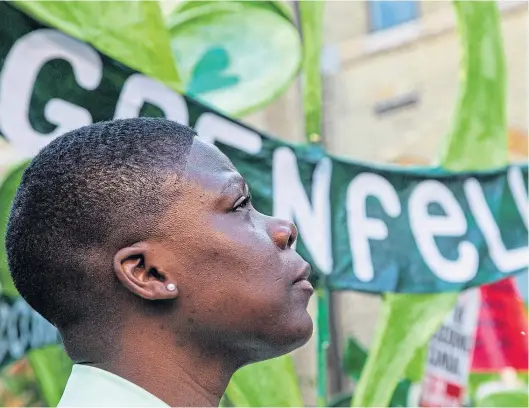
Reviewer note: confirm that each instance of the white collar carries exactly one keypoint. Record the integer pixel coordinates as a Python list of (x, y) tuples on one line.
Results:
[(92, 387)]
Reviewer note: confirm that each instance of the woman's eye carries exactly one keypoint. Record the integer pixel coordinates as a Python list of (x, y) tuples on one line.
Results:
[(242, 202)]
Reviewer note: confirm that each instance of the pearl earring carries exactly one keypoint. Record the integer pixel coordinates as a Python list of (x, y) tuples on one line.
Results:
[(171, 287)]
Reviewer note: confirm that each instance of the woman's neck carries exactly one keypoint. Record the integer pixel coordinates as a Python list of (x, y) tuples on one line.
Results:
[(179, 376)]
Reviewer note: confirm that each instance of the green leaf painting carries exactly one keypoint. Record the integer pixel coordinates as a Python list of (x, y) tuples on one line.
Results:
[(132, 33), (406, 323), (311, 16), (8, 188), (52, 368), (234, 56), (477, 139), (271, 383)]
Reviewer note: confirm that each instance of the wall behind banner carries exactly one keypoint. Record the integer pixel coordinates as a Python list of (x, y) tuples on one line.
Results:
[(394, 82)]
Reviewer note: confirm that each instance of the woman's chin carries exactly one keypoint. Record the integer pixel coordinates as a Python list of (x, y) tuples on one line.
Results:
[(295, 335)]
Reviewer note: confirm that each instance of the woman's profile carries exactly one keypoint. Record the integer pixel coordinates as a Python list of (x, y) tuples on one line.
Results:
[(139, 242)]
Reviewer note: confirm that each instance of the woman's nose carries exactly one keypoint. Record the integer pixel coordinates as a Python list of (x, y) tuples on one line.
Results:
[(284, 234)]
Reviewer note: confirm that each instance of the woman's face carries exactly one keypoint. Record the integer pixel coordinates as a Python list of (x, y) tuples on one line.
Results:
[(240, 284)]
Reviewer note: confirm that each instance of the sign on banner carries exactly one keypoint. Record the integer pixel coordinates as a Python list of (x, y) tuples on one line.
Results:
[(450, 354)]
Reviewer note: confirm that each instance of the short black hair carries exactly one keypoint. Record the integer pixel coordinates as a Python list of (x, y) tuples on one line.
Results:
[(91, 189)]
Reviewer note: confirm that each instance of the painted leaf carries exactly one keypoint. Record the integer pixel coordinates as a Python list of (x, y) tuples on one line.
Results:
[(311, 18), (406, 323), (52, 368), (478, 137), (234, 56), (132, 33), (354, 359), (415, 370), (514, 398), (176, 10), (209, 74), (270, 383), (8, 188)]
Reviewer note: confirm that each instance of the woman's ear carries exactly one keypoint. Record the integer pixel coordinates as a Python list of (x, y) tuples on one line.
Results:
[(135, 267)]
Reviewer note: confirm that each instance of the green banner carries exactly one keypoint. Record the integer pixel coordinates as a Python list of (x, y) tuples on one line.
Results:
[(373, 229)]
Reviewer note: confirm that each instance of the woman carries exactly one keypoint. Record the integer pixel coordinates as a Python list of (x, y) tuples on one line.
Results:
[(139, 242)]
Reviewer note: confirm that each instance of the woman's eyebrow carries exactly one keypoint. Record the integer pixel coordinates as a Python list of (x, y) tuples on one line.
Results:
[(235, 181)]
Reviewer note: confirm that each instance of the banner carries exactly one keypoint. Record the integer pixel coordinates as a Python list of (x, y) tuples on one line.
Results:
[(369, 228)]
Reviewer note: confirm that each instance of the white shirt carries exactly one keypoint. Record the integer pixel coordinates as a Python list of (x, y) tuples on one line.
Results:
[(92, 387)]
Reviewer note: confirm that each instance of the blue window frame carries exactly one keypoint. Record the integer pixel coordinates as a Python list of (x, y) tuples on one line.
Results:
[(387, 14)]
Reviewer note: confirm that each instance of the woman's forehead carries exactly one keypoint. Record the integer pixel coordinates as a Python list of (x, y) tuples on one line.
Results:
[(204, 155), (208, 166)]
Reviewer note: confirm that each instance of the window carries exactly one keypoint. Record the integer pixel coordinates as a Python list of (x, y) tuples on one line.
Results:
[(388, 14)]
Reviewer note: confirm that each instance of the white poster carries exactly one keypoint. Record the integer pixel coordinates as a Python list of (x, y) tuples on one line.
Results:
[(450, 354)]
